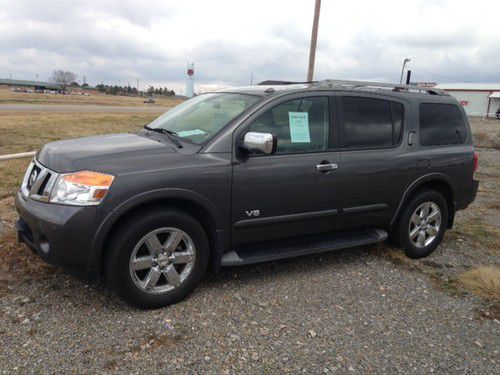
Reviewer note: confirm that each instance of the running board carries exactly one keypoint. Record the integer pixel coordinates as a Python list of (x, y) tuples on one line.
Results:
[(294, 247)]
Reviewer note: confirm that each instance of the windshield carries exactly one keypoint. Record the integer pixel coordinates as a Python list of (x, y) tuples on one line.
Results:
[(199, 118)]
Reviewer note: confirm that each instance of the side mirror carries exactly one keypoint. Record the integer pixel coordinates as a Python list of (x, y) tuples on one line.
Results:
[(259, 143)]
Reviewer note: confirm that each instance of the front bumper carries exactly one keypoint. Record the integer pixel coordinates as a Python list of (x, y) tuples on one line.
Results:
[(60, 235)]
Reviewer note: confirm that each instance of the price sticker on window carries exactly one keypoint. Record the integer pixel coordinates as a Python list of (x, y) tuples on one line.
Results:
[(299, 127)]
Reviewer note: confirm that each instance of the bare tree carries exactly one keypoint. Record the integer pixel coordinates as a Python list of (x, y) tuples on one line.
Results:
[(63, 78)]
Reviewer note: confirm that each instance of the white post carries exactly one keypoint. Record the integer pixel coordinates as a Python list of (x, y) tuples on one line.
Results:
[(190, 80)]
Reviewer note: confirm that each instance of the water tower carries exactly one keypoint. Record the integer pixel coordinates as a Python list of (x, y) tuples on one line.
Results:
[(190, 80)]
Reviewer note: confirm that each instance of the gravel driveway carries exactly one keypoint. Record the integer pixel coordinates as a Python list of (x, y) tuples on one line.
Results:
[(346, 311), (360, 310)]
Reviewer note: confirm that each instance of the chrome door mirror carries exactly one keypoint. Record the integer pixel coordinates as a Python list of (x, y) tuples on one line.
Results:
[(259, 143)]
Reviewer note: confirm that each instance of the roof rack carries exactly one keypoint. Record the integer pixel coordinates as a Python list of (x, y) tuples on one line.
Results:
[(276, 83), (379, 85)]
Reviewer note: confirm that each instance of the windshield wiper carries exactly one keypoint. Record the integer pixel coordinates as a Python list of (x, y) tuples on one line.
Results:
[(171, 135)]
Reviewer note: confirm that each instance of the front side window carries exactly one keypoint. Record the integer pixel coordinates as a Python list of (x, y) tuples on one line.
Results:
[(441, 124), (300, 125), (371, 122), (198, 119)]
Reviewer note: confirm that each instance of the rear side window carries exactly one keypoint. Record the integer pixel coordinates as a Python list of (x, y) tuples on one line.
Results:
[(371, 122), (441, 124)]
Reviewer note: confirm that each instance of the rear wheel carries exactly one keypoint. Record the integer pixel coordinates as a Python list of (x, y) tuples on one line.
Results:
[(422, 224), (157, 259)]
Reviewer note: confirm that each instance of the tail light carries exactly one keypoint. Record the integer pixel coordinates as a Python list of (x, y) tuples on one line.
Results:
[(476, 160)]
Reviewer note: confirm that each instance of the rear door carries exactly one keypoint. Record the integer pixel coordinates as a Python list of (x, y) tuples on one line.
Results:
[(375, 161), (294, 191)]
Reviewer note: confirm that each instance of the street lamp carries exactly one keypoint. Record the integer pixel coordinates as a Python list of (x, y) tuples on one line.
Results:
[(403, 69)]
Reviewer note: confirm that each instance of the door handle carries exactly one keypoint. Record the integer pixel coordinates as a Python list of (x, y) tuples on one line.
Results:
[(326, 167)]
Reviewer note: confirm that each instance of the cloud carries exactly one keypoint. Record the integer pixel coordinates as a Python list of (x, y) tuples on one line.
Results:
[(123, 40)]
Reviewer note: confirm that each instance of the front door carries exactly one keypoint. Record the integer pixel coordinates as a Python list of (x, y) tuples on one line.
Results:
[(294, 191)]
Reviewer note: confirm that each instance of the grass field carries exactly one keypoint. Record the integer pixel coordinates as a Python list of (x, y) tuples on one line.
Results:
[(474, 243), (10, 97)]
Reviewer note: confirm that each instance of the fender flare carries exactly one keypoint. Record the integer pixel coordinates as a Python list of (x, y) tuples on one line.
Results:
[(94, 258), (431, 177)]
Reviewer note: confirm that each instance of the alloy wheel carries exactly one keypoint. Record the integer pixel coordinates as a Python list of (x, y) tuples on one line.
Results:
[(424, 224), (162, 260)]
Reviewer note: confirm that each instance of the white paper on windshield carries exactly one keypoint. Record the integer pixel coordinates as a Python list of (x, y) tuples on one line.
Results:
[(299, 127), (188, 133)]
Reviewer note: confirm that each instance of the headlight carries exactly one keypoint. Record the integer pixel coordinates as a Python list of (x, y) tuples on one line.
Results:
[(83, 188)]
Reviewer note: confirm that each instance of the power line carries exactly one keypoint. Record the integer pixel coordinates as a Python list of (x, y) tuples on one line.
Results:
[(440, 76)]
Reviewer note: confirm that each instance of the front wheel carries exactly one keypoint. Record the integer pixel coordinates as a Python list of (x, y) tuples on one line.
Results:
[(422, 224), (157, 259)]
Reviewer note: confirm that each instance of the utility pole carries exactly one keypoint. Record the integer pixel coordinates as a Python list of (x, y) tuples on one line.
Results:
[(314, 39), (406, 60), (137, 86), (251, 79)]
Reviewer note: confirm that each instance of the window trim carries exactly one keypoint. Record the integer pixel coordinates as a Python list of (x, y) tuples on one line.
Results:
[(332, 140), (466, 139), (341, 128)]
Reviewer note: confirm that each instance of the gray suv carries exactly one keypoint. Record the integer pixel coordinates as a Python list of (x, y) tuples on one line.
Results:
[(249, 175)]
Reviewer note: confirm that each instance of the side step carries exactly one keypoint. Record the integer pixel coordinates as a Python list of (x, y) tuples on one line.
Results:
[(294, 247)]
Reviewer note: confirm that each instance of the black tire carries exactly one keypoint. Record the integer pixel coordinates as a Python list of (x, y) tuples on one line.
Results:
[(401, 234), (128, 235)]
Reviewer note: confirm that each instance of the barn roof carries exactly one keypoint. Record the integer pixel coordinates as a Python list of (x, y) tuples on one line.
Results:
[(479, 86)]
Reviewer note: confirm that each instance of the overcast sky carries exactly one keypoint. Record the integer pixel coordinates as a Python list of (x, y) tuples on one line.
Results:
[(120, 41)]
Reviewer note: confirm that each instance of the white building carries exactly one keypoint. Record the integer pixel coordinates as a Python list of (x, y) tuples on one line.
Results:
[(478, 99)]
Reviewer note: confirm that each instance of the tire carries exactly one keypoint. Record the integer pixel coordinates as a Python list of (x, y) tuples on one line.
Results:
[(149, 273), (409, 230)]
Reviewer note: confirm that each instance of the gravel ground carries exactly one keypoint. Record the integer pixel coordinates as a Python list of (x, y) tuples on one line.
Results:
[(347, 311), (360, 310)]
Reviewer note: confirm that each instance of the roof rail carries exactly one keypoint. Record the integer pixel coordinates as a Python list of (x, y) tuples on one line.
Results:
[(274, 82), (376, 85)]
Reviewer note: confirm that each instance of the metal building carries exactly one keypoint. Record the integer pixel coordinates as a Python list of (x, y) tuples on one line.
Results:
[(478, 99)]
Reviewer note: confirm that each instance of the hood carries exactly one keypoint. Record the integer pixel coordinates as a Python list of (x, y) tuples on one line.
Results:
[(113, 153)]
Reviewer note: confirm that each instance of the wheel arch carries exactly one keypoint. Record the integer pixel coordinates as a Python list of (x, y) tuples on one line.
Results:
[(436, 181), (190, 202)]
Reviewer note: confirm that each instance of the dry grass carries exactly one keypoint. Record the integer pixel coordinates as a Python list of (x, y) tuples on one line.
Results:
[(478, 232), (11, 175), (483, 281), (486, 133), (28, 131), (9, 97)]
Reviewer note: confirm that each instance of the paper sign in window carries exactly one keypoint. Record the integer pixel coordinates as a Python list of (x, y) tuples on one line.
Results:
[(189, 133), (299, 127)]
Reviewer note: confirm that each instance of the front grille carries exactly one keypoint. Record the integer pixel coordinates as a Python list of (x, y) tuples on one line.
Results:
[(38, 182)]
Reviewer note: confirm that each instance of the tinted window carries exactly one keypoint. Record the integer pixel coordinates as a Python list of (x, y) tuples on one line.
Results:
[(300, 125), (371, 122), (441, 124)]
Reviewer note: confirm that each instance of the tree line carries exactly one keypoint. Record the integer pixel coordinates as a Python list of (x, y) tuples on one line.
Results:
[(65, 79), (129, 90)]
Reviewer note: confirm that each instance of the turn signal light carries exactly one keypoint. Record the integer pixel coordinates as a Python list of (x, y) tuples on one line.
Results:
[(89, 178)]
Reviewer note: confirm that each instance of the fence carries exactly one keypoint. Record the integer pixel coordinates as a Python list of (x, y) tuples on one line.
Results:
[(17, 156)]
